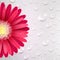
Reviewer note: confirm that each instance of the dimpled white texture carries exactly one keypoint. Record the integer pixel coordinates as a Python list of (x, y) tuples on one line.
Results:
[(44, 35)]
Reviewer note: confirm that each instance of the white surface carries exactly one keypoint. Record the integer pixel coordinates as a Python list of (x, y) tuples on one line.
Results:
[(44, 36)]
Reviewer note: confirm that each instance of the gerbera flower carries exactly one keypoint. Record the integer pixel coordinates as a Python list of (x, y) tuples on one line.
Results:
[(13, 30)]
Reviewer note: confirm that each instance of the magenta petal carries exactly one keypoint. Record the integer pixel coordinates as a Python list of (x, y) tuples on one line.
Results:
[(14, 49), (1, 51), (19, 42), (19, 11), (6, 55), (0, 46), (9, 48), (19, 19), (18, 37), (2, 11), (23, 22), (8, 12), (20, 33), (11, 40), (14, 9), (25, 29), (19, 26), (12, 17), (5, 50)]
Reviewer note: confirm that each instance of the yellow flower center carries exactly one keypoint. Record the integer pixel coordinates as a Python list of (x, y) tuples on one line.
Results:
[(4, 30)]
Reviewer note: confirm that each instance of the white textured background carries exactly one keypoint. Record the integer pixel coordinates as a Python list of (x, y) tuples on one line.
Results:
[(44, 36)]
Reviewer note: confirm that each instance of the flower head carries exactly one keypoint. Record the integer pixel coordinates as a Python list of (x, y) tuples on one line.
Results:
[(13, 30)]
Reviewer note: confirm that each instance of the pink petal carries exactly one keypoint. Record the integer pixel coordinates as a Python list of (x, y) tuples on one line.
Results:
[(13, 42), (14, 9), (0, 46), (24, 29), (23, 22), (19, 38), (1, 51), (13, 16), (14, 49), (19, 42), (2, 11), (19, 19), (6, 55), (19, 11), (1, 54), (5, 48), (19, 26), (20, 33), (9, 48), (8, 11)]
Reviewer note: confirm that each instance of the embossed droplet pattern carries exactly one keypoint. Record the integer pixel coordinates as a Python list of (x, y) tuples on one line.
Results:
[(12, 1), (44, 21)]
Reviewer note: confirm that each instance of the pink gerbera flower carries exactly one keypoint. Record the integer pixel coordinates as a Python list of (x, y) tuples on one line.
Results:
[(13, 30)]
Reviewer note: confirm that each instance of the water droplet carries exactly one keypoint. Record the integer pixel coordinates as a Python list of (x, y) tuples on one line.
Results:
[(45, 3), (41, 19), (50, 50), (12, 1), (51, 8), (52, 16), (38, 34), (45, 43), (33, 29), (45, 15), (29, 47), (35, 8), (48, 26), (54, 1), (25, 57), (38, 54), (21, 50)]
